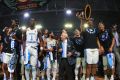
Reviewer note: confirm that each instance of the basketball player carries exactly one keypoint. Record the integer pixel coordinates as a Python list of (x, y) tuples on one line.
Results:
[(91, 50), (11, 49), (43, 54), (31, 40), (107, 42), (51, 62)]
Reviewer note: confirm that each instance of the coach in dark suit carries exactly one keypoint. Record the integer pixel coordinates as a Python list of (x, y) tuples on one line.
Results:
[(67, 60)]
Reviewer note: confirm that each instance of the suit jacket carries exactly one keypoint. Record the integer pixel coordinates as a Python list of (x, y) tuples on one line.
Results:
[(71, 59)]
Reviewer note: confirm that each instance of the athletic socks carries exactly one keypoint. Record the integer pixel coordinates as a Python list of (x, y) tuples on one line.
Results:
[(87, 79), (83, 77), (105, 77), (112, 77), (48, 74), (4, 77), (23, 77), (34, 73), (76, 77), (92, 78), (27, 72)]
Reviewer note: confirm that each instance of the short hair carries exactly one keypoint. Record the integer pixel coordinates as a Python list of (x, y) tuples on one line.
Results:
[(66, 35), (76, 30)]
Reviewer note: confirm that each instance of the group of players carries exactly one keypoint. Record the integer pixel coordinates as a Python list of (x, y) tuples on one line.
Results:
[(26, 52)]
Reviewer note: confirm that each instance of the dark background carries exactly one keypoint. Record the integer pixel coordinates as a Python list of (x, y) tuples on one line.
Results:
[(52, 15)]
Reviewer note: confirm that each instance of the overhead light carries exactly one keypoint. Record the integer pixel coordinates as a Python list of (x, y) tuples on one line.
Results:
[(68, 12), (26, 14), (85, 25), (38, 26), (68, 25), (23, 28)]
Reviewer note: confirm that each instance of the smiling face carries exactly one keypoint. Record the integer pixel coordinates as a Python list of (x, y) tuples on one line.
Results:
[(101, 26), (90, 22), (64, 36), (46, 31), (51, 34), (76, 32)]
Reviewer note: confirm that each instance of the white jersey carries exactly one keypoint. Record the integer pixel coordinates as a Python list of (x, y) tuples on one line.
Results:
[(31, 37), (50, 43)]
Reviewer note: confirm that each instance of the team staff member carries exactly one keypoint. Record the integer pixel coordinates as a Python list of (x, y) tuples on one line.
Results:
[(67, 62)]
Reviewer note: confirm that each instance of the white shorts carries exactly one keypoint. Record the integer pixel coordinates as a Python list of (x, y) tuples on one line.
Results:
[(33, 56), (6, 57), (91, 56)]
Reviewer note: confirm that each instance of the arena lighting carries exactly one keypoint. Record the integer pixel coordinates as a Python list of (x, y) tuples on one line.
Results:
[(68, 11), (85, 25), (26, 14), (23, 28), (68, 25), (38, 26)]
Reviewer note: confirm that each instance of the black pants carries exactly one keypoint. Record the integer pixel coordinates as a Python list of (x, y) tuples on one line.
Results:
[(66, 69)]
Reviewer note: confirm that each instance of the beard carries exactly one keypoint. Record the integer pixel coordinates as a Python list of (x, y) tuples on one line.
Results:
[(52, 37), (32, 26)]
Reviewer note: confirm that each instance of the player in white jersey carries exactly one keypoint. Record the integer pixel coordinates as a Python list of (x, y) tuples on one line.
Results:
[(51, 61), (32, 38)]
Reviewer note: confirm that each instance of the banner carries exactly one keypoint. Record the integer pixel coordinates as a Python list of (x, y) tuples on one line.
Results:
[(28, 4), (25, 4)]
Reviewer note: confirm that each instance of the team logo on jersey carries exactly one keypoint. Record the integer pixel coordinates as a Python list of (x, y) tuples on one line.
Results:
[(104, 36), (91, 31), (78, 41)]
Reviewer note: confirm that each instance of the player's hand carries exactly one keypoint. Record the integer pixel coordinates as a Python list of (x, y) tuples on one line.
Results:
[(110, 49), (51, 49), (60, 50), (69, 54), (14, 37), (101, 50), (1, 47)]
